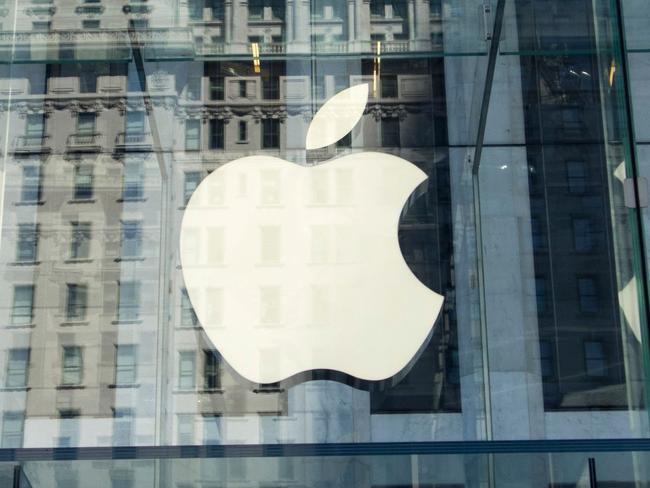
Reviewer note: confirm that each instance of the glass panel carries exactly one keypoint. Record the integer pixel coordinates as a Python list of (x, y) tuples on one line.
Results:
[(556, 207), (127, 323)]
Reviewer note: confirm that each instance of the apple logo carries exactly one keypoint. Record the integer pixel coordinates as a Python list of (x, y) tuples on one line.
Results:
[(292, 268)]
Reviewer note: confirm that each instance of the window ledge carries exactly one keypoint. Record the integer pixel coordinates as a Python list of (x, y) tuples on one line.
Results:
[(132, 199), (72, 323), (268, 390), (29, 203), (82, 200), (25, 263), (15, 388), (78, 260), (212, 390), (116, 386), (70, 387), (127, 259), (185, 390), (31, 325), (188, 327), (126, 322)]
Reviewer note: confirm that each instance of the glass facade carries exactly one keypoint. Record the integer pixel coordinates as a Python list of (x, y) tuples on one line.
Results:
[(528, 119)]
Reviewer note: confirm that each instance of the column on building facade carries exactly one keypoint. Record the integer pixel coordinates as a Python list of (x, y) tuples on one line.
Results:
[(411, 19), (351, 21), (298, 16), (304, 25), (239, 29), (289, 22), (422, 25), (227, 22), (362, 24)]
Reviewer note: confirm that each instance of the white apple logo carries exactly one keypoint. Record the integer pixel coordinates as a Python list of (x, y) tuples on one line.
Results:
[(292, 268)]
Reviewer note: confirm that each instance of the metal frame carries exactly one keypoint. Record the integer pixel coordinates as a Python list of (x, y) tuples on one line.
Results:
[(324, 449)]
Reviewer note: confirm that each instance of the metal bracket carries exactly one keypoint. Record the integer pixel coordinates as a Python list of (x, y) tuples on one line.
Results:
[(635, 192)]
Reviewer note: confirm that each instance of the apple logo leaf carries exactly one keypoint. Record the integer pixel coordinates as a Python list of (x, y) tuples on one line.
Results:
[(337, 116)]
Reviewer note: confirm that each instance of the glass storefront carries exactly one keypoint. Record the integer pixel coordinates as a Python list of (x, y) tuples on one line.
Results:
[(528, 119)]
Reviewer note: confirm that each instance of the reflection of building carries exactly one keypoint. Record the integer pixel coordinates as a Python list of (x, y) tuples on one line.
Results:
[(91, 303), (581, 345), (114, 113), (195, 28)]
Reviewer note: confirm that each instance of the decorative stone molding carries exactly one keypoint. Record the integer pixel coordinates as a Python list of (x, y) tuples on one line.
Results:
[(95, 104), (259, 113), (386, 111), (205, 113), (110, 37), (166, 102), (195, 110), (219, 113), (124, 105), (189, 111), (25, 108)]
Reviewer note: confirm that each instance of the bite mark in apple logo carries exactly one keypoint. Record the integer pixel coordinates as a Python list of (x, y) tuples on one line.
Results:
[(303, 268)]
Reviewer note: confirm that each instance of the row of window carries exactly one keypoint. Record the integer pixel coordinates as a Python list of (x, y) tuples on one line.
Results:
[(576, 174), (270, 134), (197, 9), (588, 294), (256, 8), (81, 232), (87, 76), (390, 134), (135, 125), (80, 240), (585, 236), (594, 354), (13, 424), (69, 434), (76, 304), (125, 374), (83, 182)]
